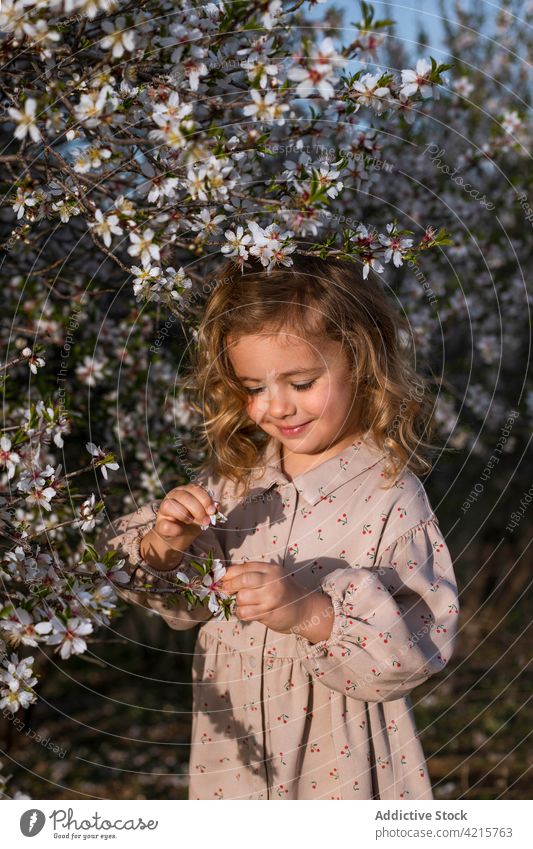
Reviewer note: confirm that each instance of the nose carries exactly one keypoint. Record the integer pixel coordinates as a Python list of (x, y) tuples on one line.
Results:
[(278, 402)]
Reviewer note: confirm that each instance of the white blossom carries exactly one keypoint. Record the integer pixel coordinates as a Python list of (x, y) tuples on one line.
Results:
[(174, 119), (106, 226), (26, 121), (157, 187), (237, 243), (463, 86), (24, 197), (174, 280), (268, 247), (273, 14), (66, 209), (206, 222), (99, 455), (196, 183), (22, 628), (212, 588), (396, 246), (69, 637), (369, 243), (371, 94), (328, 176), (119, 37), (34, 361), (87, 515), (142, 245), (144, 280), (217, 516), (511, 122), (91, 370), (90, 107), (116, 573), (319, 73), (8, 458), (266, 107), (19, 678), (257, 64), (413, 81)]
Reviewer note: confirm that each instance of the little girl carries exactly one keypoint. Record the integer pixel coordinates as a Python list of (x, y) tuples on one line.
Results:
[(346, 599)]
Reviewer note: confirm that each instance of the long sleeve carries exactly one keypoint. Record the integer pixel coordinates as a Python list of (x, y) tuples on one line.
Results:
[(395, 623), (123, 536)]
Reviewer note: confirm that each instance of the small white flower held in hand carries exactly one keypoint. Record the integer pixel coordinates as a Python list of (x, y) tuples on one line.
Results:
[(212, 590), (216, 517)]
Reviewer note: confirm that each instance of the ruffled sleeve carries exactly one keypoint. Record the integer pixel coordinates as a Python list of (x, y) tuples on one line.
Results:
[(124, 536), (395, 623)]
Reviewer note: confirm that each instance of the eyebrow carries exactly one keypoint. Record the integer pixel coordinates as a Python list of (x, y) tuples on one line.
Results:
[(285, 373)]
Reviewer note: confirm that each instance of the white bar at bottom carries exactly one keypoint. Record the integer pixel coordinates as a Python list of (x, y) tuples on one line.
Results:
[(185, 823)]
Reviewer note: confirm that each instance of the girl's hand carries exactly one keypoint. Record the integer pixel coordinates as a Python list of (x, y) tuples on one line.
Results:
[(266, 593), (181, 514), (178, 523)]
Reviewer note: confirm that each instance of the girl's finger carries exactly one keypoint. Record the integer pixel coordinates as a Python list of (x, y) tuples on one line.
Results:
[(168, 528), (173, 511), (247, 580), (185, 508), (251, 596), (237, 569), (250, 612), (233, 571), (197, 492)]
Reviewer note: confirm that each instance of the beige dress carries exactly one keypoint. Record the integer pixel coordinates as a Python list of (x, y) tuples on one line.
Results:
[(275, 716)]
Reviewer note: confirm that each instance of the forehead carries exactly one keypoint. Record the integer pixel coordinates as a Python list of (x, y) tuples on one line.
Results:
[(255, 354)]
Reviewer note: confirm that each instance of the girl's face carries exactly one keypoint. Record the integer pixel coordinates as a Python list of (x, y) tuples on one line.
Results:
[(292, 382)]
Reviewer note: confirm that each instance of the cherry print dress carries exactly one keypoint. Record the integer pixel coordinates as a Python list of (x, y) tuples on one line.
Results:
[(276, 716)]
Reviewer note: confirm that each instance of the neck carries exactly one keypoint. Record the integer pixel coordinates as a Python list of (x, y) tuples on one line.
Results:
[(293, 464)]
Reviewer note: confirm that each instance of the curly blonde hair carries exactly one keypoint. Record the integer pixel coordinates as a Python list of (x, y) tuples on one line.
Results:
[(316, 297)]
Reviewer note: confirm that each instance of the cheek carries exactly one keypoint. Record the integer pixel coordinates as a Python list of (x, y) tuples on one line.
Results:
[(331, 400), (320, 401), (254, 409)]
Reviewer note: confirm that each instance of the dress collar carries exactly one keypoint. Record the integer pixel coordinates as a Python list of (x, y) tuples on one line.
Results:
[(317, 483)]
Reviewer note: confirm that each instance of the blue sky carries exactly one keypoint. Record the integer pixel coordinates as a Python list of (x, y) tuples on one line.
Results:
[(409, 17)]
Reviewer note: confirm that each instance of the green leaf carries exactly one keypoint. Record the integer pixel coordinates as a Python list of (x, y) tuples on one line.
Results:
[(7, 610), (199, 567), (92, 552)]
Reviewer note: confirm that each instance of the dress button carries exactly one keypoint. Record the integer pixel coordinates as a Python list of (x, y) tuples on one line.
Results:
[(252, 662)]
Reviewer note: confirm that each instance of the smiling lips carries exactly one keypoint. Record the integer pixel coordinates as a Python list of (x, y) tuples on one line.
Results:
[(293, 430)]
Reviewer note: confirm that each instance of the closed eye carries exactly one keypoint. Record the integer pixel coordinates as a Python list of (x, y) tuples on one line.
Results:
[(300, 387)]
